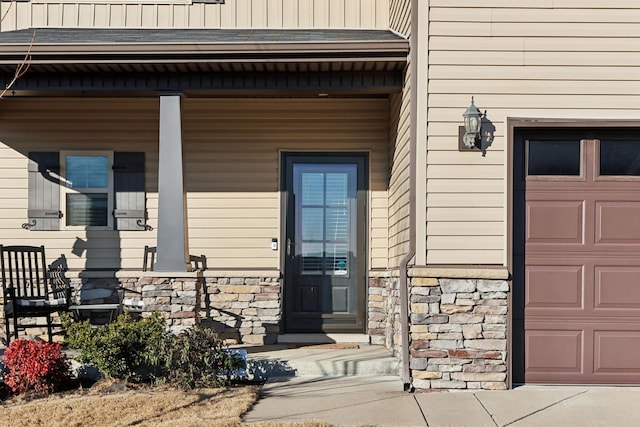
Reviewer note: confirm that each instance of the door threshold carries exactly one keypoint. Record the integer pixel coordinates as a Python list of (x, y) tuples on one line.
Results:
[(323, 338)]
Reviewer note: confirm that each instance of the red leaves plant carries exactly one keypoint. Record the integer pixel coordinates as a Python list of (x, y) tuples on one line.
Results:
[(35, 365)]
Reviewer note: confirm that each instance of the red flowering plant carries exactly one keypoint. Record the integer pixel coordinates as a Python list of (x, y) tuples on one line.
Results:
[(35, 365)]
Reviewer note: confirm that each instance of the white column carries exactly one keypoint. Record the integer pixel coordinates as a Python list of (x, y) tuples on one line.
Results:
[(173, 238)]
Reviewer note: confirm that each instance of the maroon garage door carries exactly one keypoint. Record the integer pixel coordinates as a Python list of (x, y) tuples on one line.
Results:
[(582, 260)]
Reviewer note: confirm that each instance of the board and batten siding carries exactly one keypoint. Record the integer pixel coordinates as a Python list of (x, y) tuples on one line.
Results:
[(399, 155), (232, 151), (564, 59), (353, 14)]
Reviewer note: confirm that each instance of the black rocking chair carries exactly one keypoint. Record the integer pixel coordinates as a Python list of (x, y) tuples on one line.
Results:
[(30, 289)]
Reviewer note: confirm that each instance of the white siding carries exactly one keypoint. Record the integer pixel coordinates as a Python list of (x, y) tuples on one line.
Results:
[(538, 59)]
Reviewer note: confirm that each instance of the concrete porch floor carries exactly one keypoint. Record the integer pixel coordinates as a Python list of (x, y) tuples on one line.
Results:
[(332, 360)]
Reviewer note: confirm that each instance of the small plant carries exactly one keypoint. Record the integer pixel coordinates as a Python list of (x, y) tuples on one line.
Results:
[(35, 365), (198, 358), (125, 349)]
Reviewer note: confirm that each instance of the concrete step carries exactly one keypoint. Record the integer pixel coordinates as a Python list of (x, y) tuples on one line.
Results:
[(332, 361)]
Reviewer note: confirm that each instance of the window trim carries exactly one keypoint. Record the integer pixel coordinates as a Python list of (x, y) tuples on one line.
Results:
[(64, 190)]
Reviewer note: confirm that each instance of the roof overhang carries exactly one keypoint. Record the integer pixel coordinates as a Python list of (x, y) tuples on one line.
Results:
[(71, 50)]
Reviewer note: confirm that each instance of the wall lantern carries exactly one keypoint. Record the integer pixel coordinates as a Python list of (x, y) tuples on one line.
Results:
[(472, 126)]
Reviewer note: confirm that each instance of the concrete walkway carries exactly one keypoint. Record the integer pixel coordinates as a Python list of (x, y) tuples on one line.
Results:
[(336, 385), (380, 401)]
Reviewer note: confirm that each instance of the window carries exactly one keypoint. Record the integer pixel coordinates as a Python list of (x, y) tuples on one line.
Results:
[(553, 158), (88, 188), (620, 157)]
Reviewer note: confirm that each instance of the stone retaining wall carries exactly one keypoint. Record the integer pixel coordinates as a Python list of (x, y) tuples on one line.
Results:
[(458, 333)]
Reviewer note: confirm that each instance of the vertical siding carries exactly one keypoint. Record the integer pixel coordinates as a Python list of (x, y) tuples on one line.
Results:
[(539, 59), (399, 198), (400, 16), (365, 14), (232, 151)]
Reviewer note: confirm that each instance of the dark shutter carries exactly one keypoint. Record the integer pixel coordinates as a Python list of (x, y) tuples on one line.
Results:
[(130, 198), (44, 191)]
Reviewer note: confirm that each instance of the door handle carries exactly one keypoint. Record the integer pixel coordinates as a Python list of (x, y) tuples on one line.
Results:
[(290, 244)]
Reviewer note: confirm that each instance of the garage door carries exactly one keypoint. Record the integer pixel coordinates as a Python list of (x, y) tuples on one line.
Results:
[(582, 261)]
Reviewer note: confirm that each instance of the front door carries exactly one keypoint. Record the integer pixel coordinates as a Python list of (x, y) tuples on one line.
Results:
[(324, 250)]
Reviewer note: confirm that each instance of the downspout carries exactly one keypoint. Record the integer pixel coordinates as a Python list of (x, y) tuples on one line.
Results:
[(413, 134)]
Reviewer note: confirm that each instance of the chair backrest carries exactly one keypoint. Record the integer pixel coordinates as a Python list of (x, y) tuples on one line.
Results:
[(149, 258), (24, 271), (198, 262)]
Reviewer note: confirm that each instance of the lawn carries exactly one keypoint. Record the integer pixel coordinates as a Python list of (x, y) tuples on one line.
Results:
[(114, 404)]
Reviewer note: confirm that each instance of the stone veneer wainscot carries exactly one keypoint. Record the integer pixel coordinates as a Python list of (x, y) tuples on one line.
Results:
[(458, 333)]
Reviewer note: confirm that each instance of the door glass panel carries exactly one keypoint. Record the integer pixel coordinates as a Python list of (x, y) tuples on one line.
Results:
[(324, 207), (312, 223), (337, 224), (337, 189), (311, 258), (620, 158), (554, 158), (312, 189), (337, 259)]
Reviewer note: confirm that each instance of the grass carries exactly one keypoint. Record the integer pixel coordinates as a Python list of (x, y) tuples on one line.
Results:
[(112, 404)]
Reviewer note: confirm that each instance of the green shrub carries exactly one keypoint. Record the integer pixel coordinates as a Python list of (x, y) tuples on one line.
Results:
[(198, 358), (125, 349), (37, 366)]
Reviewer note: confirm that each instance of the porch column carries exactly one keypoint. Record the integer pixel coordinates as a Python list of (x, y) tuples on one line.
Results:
[(173, 239)]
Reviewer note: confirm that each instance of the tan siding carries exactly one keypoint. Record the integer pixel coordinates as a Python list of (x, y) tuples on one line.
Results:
[(578, 59), (232, 153), (233, 150), (399, 178), (399, 197), (366, 14), (70, 124)]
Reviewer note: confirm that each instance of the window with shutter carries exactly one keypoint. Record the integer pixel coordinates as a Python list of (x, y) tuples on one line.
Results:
[(103, 190)]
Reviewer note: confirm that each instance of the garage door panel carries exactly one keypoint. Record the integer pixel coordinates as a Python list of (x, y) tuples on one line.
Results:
[(618, 222), (617, 290), (555, 286), (617, 351), (555, 222), (553, 351)]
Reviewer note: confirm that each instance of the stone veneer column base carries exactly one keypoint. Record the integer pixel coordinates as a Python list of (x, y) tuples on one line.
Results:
[(383, 316), (458, 333)]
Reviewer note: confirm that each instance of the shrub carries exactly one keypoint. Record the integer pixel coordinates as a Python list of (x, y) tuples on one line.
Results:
[(35, 365), (125, 349), (198, 358)]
